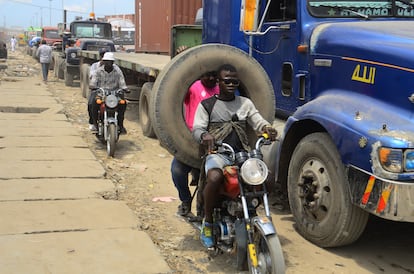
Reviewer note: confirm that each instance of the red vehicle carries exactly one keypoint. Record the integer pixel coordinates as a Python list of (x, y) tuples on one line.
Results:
[(51, 35)]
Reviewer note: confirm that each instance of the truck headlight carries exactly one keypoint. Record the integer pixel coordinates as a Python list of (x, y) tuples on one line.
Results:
[(391, 159), (409, 160)]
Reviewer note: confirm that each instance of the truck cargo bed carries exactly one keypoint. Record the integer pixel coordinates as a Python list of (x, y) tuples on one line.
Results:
[(150, 64)]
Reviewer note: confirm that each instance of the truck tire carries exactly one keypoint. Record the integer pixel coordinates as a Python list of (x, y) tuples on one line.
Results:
[(68, 78), (34, 49), (61, 70), (144, 106), (84, 80), (56, 68), (52, 64), (176, 77), (319, 197)]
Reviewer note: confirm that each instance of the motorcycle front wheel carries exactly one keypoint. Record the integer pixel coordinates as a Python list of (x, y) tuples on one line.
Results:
[(111, 141), (269, 254)]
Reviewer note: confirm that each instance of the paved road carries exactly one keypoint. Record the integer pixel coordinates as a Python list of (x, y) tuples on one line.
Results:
[(54, 208)]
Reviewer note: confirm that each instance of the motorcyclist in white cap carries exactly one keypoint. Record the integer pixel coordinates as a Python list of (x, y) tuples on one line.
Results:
[(109, 76)]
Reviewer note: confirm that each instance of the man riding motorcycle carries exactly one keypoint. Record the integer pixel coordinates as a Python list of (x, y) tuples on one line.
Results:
[(224, 117), (109, 76)]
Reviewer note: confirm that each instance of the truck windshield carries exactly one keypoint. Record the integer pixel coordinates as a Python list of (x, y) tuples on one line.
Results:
[(364, 9), (125, 36), (88, 30), (52, 34)]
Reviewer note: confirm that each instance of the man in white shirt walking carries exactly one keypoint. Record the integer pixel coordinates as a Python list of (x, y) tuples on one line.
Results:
[(13, 43), (44, 53)]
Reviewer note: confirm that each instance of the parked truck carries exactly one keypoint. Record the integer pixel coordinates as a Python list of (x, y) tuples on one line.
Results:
[(156, 43), (88, 34), (51, 35), (32, 34), (338, 72), (341, 74)]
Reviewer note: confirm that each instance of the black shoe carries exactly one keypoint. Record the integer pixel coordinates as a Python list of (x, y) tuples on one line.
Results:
[(184, 208), (122, 130)]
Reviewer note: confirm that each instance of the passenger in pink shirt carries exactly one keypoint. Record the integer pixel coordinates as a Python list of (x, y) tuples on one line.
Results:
[(198, 91)]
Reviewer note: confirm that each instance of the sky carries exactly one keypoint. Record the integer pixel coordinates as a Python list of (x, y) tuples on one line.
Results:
[(26, 13)]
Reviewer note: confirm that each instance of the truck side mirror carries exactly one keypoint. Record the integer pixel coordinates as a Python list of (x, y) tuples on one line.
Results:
[(249, 15)]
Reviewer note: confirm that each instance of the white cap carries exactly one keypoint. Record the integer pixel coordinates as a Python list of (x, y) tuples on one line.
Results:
[(108, 56)]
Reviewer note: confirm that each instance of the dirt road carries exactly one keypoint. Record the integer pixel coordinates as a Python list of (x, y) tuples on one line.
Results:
[(141, 173)]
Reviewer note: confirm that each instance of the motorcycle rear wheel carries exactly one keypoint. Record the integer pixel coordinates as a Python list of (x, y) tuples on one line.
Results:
[(111, 141), (269, 254)]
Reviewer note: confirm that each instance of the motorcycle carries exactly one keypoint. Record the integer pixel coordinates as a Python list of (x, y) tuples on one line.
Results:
[(237, 227), (108, 128)]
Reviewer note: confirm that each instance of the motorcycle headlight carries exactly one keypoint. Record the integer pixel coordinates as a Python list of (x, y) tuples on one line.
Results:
[(73, 55), (254, 171), (111, 101)]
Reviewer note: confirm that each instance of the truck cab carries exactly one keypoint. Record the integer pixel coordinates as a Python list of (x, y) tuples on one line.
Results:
[(342, 76), (51, 35), (89, 35)]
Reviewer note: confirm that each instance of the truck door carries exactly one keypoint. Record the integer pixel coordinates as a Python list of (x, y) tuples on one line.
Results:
[(276, 50)]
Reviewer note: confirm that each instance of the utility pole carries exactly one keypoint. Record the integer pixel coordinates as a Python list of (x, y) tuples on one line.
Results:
[(41, 17), (50, 12)]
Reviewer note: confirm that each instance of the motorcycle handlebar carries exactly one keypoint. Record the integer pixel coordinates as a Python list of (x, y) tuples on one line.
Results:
[(102, 91), (221, 147), (263, 140)]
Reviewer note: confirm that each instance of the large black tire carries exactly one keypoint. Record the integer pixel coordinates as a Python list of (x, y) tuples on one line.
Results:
[(52, 64), (144, 110), (174, 80), (68, 78), (56, 68), (319, 195), (34, 50), (84, 80), (61, 69)]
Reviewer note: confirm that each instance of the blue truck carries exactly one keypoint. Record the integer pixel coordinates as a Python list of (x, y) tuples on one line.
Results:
[(341, 75)]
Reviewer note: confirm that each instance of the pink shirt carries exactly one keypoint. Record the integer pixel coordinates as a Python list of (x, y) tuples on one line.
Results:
[(196, 93)]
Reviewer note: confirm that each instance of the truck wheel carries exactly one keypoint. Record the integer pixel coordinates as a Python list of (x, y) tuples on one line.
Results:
[(143, 110), (318, 194), (176, 77), (34, 49), (56, 68), (52, 64), (61, 70), (68, 78), (84, 80)]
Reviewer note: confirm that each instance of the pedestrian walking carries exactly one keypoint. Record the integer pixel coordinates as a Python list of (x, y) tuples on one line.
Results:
[(44, 53), (13, 43)]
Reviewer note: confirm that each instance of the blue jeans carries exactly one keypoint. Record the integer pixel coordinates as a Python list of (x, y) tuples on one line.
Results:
[(45, 70), (179, 174)]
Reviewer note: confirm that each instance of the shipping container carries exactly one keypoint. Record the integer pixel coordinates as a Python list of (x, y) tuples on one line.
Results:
[(154, 20)]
